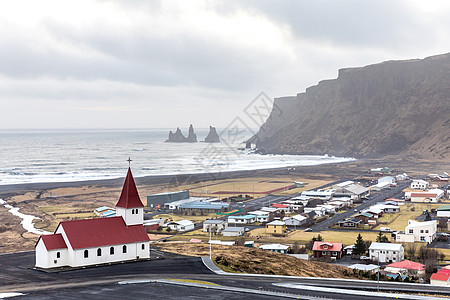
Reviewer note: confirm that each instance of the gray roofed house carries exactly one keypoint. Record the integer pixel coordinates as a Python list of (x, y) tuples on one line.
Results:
[(217, 225), (233, 231)]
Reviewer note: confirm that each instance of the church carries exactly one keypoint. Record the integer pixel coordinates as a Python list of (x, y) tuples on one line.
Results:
[(88, 242)]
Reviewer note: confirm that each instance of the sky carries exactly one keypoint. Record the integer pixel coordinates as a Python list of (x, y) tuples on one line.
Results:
[(163, 64)]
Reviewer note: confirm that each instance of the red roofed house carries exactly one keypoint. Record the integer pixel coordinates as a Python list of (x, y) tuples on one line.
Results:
[(101, 240), (406, 267), (327, 249), (281, 207), (440, 279)]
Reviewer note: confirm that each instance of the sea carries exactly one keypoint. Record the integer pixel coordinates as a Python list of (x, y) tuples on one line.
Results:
[(30, 156)]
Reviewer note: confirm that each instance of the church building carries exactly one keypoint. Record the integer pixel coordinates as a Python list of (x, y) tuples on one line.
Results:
[(98, 241)]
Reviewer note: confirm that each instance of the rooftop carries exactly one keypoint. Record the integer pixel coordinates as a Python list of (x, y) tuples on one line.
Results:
[(407, 264), (276, 223), (386, 246), (233, 229), (242, 217), (274, 247), (319, 246)]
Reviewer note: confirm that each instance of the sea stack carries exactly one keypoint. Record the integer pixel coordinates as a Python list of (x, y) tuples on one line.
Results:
[(212, 136), (192, 137), (178, 137)]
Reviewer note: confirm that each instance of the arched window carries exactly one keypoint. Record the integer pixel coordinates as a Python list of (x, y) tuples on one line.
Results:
[(111, 251), (99, 252), (124, 249), (58, 254), (143, 246), (86, 254)]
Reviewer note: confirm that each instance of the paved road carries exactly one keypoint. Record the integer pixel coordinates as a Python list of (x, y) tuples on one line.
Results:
[(374, 198), (101, 282)]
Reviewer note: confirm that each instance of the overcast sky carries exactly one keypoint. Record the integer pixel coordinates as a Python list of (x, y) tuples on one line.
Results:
[(163, 64)]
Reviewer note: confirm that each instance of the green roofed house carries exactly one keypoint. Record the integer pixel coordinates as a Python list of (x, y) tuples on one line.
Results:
[(443, 211)]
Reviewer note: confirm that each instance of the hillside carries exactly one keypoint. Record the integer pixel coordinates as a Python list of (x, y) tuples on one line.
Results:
[(392, 108)]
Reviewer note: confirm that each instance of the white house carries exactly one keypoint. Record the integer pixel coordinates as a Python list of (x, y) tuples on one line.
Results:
[(246, 219), (419, 184), (296, 220), (216, 225), (401, 177), (275, 248), (443, 211), (182, 226), (417, 231), (233, 231), (386, 252), (101, 240), (430, 196), (388, 179), (319, 194)]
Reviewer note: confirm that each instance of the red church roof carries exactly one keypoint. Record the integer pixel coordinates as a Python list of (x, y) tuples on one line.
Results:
[(407, 264), (130, 196), (53, 241), (102, 232)]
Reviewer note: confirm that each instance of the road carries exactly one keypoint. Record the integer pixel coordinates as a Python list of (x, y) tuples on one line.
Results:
[(377, 197), (17, 275)]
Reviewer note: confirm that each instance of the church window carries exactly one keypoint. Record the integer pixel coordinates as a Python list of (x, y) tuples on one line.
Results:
[(111, 251), (58, 254), (86, 254), (143, 246), (124, 249), (99, 252)]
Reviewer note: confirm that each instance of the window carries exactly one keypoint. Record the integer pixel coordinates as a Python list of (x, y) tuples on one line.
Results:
[(86, 254), (111, 251), (58, 254), (99, 252), (411, 231), (124, 249), (334, 253), (421, 230), (426, 231), (143, 246), (422, 239), (394, 252), (324, 252)]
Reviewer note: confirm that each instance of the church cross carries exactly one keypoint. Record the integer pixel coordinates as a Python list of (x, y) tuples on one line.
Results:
[(129, 160)]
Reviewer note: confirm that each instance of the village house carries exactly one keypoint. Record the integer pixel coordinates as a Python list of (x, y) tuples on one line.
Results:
[(365, 217), (417, 231), (350, 223), (388, 179), (327, 250), (275, 248), (319, 194), (262, 216), (386, 252), (351, 190), (406, 267), (97, 241), (296, 220), (419, 184), (281, 207), (430, 196), (216, 225), (233, 231), (181, 226), (276, 227), (443, 211), (246, 219), (441, 277), (401, 177)]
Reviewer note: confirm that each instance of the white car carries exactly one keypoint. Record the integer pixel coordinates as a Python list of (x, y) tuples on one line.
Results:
[(308, 229), (363, 257)]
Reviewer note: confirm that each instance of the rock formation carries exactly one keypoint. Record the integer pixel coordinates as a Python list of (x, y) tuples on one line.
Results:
[(391, 108), (178, 137), (212, 136)]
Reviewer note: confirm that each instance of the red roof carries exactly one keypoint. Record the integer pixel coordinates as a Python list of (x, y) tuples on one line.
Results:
[(102, 232), (327, 246), (407, 264), (278, 205), (53, 241), (129, 197), (437, 276), (444, 271), (423, 195)]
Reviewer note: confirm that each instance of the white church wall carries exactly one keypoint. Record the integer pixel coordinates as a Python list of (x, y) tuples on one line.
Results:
[(49, 258), (131, 218)]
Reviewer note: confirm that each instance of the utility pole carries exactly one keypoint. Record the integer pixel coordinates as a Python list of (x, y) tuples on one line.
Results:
[(378, 283), (210, 248)]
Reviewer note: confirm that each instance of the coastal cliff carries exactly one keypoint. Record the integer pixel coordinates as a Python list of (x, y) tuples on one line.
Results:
[(391, 108), (178, 136)]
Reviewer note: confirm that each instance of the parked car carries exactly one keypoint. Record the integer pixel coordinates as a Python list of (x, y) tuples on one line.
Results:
[(363, 257), (308, 229), (385, 229)]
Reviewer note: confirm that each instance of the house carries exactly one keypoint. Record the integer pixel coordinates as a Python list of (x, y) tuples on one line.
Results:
[(365, 217), (319, 194), (348, 250), (246, 219), (401, 177), (296, 220), (386, 252), (430, 196), (262, 216), (419, 184), (351, 190), (275, 248), (362, 267), (281, 207), (350, 223), (276, 227), (382, 170), (406, 267), (327, 250), (181, 226), (96, 241), (303, 200), (443, 211), (440, 279), (380, 186), (103, 210), (216, 225), (388, 179), (319, 211), (233, 231), (387, 208), (328, 209), (417, 231)]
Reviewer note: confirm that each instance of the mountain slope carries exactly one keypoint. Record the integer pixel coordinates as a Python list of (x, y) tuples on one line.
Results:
[(391, 108)]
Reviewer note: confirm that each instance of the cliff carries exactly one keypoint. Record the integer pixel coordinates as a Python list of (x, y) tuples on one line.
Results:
[(212, 136), (178, 136), (391, 108)]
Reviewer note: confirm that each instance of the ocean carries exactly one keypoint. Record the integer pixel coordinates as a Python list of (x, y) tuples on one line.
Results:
[(28, 156)]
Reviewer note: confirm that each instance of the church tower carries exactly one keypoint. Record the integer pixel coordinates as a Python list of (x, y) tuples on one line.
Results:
[(130, 207)]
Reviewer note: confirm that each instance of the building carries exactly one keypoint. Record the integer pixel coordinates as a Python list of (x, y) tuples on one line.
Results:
[(217, 225), (419, 184), (204, 207), (386, 252), (406, 267), (430, 196), (388, 179), (281, 207), (319, 194), (96, 241), (296, 220), (275, 248), (401, 177), (327, 250), (362, 267), (350, 189), (233, 231), (103, 211), (365, 217), (443, 211), (380, 186), (383, 170), (181, 226), (246, 219), (387, 208), (441, 277), (417, 231), (276, 227), (157, 201), (350, 223)]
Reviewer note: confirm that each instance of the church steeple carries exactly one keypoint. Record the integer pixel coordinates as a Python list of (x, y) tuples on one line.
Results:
[(130, 206)]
